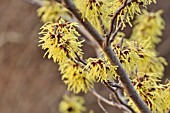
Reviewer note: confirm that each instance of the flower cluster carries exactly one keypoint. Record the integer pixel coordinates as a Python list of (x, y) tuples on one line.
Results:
[(154, 94), (60, 40), (72, 104), (148, 25), (52, 10), (105, 9), (76, 77), (149, 61), (93, 10), (100, 70), (125, 56), (80, 77), (128, 12), (137, 56)]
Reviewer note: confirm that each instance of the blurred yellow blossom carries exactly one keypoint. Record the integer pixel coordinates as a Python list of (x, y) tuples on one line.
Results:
[(51, 11), (72, 104), (100, 70), (148, 25)]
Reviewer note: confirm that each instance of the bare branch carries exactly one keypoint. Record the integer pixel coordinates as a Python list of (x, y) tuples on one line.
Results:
[(101, 106), (35, 2), (118, 97), (116, 31), (110, 102), (102, 26), (115, 85), (113, 20), (80, 59)]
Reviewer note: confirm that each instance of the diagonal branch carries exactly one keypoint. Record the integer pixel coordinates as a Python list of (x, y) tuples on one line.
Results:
[(125, 3), (130, 90), (102, 26), (118, 97), (113, 20), (80, 59), (101, 106), (110, 102), (115, 85), (116, 31)]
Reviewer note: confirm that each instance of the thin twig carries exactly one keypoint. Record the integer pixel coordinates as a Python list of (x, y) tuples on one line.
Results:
[(40, 2), (110, 102), (118, 97), (80, 59), (102, 26), (113, 20), (35, 2), (125, 3), (101, 106), (115, 85), (131, 91), (116, 31)]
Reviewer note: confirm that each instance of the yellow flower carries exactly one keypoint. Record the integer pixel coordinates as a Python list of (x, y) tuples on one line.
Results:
[(60, 40), (75, 77), (125, 53), (148, 25), (138, 55), (148, 61), (92, 10), (72, 104), (99, 70), (130, 10), (51, 11), (156, 96)]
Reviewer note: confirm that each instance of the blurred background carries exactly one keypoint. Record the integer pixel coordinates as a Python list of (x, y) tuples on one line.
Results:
[(31, 84)]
